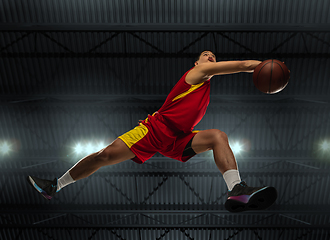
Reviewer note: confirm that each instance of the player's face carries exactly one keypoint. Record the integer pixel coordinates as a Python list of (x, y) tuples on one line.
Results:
[(206, 56)]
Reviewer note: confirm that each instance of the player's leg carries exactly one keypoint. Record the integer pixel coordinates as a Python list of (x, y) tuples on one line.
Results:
[(115, 153), (216, 140), (241, 197)]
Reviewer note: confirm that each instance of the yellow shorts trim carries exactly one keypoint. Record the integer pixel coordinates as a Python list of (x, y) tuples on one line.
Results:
[(135, 135)]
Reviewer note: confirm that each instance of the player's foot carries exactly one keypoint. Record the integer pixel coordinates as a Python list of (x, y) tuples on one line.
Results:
[(243, 198), (46, 188)]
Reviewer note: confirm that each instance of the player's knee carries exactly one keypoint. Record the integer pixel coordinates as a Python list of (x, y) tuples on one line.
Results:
[(105, 156), (220, 136)]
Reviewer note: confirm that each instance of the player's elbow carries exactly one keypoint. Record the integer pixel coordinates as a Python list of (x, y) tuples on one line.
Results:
[(246, 66), (249, 65)]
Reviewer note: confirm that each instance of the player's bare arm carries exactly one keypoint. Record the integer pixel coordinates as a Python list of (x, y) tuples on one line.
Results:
[(205, 70)]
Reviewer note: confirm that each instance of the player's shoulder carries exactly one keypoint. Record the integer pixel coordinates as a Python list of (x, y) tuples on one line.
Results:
[(196, 75)]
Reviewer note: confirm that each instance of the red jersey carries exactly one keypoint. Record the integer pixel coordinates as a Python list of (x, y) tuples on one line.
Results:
[(186, 104)]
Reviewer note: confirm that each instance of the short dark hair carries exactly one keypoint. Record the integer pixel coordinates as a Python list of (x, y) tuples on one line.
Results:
[(197, 58)]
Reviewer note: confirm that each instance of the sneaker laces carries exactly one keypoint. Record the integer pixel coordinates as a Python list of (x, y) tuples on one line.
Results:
[(243, 184)]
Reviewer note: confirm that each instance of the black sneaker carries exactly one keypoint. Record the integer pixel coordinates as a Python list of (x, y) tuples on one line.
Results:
[(46, 188), (243, 198)]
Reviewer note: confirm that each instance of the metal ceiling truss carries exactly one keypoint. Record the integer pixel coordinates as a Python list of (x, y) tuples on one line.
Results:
[(154, 27), (153, 101), (130, 226), (149, 216), (183, 170), (138, 210), (160, 180), (156, 51), (21, 116), (226, 232), (181, 210)]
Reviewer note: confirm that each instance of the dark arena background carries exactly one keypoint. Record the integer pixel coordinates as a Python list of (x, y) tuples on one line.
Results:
[(74, 75)]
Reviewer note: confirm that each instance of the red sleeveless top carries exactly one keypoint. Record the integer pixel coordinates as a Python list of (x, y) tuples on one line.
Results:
[(186, 104)]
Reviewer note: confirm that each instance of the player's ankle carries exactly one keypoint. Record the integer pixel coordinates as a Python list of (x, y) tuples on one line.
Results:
[(65, 180), (231, 178)]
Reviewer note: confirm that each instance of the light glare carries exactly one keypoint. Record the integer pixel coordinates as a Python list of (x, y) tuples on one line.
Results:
[(237, 148), (89, 148), (78, 148), (325, 146), (5, 148), (100, 146)]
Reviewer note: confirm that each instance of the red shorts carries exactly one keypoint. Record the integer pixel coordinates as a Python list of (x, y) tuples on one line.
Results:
[(153, 135)]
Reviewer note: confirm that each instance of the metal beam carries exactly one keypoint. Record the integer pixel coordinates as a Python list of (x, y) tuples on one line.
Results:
[(203, 172), (25, 27), (157, 100), (162, 226), (99, 211), (46, 157), (160, 209), (224, 55)]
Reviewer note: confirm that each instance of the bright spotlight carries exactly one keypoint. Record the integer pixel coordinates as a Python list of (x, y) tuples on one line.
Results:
[(5, 148), (100, 146), (325, 146), (89, 148), (237, 148), (78, 148)]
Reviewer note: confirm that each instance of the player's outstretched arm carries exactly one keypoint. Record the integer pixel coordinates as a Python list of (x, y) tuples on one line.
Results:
[(228, 67), (205, 71)]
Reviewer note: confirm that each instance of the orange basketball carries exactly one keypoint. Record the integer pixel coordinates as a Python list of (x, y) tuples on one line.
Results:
[(271, 76)]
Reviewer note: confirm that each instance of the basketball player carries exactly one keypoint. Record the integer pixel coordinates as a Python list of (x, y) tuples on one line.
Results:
[(169, 131)]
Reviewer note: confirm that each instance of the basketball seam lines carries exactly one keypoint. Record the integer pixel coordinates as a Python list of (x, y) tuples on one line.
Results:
[(283, 77), (271, 74), (260, 72)]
